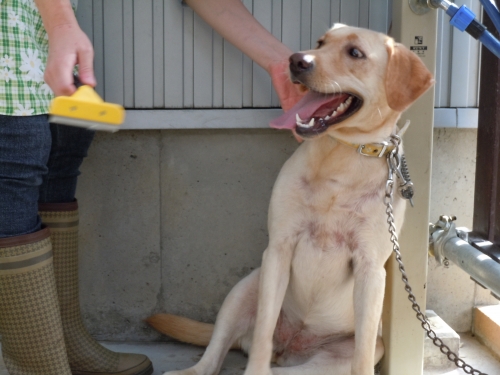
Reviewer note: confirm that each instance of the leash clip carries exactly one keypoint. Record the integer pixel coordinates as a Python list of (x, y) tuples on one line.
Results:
[(397, 165)]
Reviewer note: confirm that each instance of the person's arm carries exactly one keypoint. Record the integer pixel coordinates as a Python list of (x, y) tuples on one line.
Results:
[(68, 46), (232, 20)]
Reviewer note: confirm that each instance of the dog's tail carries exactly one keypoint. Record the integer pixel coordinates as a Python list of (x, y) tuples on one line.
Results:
[(184, 329)]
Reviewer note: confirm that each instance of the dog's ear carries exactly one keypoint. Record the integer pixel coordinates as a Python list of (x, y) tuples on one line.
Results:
[(406, 77)]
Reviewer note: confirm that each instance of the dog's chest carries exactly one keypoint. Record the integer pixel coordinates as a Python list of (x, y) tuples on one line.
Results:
[(335, 216), (339, 224)]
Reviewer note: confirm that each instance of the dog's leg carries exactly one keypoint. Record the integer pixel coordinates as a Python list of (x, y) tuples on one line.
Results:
[(235, 320), (369, 284), (274, 278)]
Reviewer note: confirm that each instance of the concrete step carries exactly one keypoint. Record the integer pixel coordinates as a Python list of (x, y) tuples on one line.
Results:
[(434, 359), (175, 356)]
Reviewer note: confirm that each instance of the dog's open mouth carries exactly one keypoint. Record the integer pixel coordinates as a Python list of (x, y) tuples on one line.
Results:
[(316, 112)]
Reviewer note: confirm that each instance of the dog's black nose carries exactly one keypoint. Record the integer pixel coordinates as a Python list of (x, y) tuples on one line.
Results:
[(300, 63)]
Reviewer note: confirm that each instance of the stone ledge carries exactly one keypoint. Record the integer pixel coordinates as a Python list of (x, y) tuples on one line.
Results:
[(433, 358)]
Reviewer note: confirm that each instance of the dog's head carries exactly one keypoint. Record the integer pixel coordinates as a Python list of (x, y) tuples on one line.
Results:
[(358, 81)]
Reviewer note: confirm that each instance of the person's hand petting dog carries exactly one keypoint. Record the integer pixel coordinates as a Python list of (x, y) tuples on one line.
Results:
[(232, 20), (288, 92)]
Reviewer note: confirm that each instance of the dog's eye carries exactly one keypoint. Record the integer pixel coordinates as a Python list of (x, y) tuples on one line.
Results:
[(320, 43), (356, 53)]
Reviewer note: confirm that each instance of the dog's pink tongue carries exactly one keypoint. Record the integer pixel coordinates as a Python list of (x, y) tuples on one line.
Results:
[(305, 108)]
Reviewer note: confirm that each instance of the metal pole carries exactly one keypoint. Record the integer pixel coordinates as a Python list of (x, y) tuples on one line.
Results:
[(477, 264)]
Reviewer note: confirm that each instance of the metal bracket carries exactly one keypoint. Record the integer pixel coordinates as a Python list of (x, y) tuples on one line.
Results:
[(419, 7), (439, 233), (449, 244)]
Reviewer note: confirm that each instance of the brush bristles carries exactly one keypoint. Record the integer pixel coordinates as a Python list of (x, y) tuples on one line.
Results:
[(91, 125)]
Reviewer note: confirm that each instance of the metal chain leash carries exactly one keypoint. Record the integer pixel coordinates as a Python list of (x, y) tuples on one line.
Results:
[(394, 165)]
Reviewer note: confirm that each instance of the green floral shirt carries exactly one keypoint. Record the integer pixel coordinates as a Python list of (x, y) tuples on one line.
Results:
[(23, 55)]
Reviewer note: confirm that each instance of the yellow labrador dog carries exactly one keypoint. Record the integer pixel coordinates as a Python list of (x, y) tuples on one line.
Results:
[(314, 306)]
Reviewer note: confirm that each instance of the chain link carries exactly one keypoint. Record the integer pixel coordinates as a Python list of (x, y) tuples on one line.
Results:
[(393, 162)]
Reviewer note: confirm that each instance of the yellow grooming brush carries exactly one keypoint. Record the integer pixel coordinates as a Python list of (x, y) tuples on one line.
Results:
[(86, 109)]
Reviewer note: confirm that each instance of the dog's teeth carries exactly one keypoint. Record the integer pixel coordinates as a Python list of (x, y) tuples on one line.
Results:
[(327, 118), (334, 113), (341, 107), (307, 125), (298, 119)]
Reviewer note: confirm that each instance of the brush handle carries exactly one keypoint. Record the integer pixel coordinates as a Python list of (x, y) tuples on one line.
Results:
[(77, 81)]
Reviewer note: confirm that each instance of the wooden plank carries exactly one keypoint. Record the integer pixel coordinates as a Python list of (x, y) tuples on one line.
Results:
[(291, 20), (443, 62), (173, 54), (203, 59), (334, 12), (349, 12), (113, 51), (276, 29), (320, 20), (247, 84), (200, 118), (128, 54), (253, 118), (291, 34), (305, 24), (475, 62), (84, 15), (91, 15), (364, 12), (233, 72), (277, 18), (262, 87), (143, 53), (247, 70), (188, 56), (158, 68), (378, 15), (462, 72), (217, 73), (98, 40)]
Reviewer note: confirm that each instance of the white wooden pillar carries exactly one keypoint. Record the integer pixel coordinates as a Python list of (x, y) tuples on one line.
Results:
[(403, 335)]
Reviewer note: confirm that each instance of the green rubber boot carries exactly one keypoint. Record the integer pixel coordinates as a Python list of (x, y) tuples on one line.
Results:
[(30, 323), (86, 356)]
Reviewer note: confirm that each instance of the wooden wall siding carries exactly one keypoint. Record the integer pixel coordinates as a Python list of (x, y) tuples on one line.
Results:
[(457, 63), (160, 54)]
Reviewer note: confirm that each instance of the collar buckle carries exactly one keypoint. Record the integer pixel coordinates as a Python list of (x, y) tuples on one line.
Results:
[(372, 149)]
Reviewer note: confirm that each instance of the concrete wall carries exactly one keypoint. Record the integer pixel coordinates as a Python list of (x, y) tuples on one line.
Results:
[(451, 293), (171, 220)]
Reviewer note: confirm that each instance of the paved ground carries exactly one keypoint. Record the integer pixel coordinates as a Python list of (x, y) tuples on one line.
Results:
[(170, 356)]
